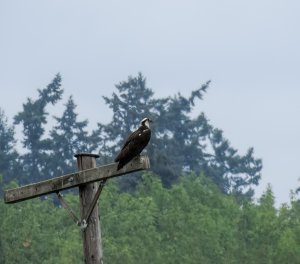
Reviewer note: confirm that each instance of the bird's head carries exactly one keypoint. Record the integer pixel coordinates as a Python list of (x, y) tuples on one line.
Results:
[(146, 122)]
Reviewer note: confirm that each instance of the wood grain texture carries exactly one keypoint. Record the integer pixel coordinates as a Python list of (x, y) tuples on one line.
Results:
[(91, 234), (74, 179)]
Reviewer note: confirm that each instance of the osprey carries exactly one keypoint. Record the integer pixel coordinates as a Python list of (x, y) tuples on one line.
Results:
[(134, 144)]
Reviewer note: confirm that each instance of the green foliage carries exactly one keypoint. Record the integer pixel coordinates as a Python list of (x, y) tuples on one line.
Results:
[(38, 232), (191, 222)]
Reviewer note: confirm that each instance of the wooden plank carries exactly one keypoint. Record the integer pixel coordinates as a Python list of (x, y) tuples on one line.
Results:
[(73, 180)]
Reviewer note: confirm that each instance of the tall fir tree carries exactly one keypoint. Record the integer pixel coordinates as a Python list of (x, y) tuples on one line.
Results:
[(9, 163), (132, 102), (68, 137), (179, 143), (33, 118)]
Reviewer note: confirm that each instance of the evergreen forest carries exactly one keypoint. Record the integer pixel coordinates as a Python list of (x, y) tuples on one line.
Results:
[(195, 205)]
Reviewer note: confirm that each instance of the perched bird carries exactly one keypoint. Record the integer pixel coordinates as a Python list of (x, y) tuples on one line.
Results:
[(134, 144)]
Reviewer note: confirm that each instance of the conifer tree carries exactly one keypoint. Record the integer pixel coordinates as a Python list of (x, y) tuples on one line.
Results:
[(9, 166), (68, 137), (179, 143), (33, 118)]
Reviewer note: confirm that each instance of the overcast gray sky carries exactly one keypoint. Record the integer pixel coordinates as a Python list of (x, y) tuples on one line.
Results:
[(250, 50)]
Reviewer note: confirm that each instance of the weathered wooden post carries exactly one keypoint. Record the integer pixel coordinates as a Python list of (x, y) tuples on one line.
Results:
[(92, 246)]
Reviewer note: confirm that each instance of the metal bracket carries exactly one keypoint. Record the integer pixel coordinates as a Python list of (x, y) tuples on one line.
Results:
[(84, 222), (83, 225), (93, 204), (68, 208)]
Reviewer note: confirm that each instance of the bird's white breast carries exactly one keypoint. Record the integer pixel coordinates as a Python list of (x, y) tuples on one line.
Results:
[(147, 124)]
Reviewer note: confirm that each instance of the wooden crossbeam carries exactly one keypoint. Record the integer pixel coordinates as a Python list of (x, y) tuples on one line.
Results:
[(73, 180)]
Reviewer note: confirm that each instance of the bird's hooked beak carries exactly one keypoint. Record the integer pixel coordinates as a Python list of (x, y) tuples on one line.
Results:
[(146, 122)]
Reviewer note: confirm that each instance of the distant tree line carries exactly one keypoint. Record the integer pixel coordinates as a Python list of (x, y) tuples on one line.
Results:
[(180, 144)]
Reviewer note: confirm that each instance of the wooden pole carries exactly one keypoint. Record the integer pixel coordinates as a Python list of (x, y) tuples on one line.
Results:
[(92, 247)]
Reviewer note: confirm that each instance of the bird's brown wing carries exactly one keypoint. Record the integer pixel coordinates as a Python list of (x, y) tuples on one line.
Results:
[(128, 140), (131, 137)]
